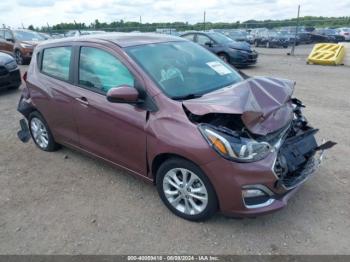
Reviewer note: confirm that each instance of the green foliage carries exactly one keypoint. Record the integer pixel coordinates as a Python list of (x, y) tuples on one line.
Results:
[(122, 26)]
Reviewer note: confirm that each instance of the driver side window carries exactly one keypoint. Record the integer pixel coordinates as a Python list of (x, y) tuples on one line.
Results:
[(101, 71), (202, 39)]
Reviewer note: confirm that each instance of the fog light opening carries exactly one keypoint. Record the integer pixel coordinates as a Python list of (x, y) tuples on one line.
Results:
[(256, 198)]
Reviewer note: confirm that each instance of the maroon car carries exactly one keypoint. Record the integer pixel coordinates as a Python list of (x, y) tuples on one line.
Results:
[(174, 114)]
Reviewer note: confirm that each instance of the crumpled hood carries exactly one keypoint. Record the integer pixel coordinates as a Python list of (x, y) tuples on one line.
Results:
[(264, 103)]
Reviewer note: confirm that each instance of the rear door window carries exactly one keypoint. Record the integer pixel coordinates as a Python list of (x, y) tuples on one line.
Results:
[(100, 71), (56, 62)]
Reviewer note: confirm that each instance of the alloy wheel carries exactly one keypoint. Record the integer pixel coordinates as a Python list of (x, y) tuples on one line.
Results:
[(185, 191), (39, 133), (19, 58)]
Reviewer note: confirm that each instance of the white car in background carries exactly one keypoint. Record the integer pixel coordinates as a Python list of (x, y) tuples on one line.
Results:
[(344, 32), (82, 32)]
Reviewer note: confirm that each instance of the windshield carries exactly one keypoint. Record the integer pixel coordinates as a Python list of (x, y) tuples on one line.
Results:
[(273, 34), (183, 69), (238, 33), (330, 31), (220, 38), (27, 36)]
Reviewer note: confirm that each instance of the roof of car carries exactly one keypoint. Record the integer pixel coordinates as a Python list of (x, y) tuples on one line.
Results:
[(123, 39)]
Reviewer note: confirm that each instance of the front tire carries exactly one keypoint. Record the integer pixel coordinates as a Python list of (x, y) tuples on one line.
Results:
[(41, 133), (224, 57), (19, 58), (186, 190)]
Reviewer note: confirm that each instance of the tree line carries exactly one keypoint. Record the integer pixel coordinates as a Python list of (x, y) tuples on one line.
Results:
[(128, 26)]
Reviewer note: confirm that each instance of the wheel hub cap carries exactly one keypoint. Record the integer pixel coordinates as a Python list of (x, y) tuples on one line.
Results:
[(185, 191), (39, 132)]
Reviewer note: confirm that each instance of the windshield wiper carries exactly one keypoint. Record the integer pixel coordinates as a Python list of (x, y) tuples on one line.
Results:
[(186, 97)]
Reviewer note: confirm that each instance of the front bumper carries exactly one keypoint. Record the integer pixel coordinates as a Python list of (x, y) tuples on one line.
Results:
[(242, 58), (230, 179), (10, 79)]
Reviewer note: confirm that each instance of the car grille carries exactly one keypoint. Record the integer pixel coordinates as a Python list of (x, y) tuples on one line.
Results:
[(3, 71), (295, 160)]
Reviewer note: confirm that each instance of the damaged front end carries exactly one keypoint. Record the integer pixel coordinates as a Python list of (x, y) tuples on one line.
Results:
[(250, 136)]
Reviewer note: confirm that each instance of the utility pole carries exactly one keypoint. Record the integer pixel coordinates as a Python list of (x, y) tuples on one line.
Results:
[(22, 25), (296, 32), (48, 28), (204, 21), (78, 27)]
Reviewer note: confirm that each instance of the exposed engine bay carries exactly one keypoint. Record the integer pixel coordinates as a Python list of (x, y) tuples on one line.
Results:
[(295, 142)]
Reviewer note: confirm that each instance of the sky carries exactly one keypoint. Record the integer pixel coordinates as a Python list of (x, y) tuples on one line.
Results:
[(14, 13)]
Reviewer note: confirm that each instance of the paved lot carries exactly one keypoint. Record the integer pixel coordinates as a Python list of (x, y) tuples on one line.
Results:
[(67, 203)]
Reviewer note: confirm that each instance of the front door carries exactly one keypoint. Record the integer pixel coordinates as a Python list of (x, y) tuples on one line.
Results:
[(110, 130), (205, 41)]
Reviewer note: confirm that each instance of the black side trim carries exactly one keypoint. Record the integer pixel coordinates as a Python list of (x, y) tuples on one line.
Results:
[(24, 108)]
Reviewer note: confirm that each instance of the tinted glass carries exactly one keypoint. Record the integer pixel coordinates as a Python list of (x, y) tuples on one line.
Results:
[(27, 36), (202, 39), (8, 35), (101, 70), (183, 68), (189, 37), (220, 38), (56, 62), (2, 33)]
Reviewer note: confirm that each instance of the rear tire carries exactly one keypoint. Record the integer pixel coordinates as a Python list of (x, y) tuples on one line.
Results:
[(186, 190), (41, 133)]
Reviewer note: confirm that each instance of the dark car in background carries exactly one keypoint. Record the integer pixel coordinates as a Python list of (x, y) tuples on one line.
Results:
[(271, 38), (330, 35), (10, 77), (239, 54), (19, 43), (238, 35)]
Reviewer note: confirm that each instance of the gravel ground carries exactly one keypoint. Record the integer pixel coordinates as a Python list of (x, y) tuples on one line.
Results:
[(68, 203)]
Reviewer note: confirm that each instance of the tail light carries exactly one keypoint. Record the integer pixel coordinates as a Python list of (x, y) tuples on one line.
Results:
[(25, 77)]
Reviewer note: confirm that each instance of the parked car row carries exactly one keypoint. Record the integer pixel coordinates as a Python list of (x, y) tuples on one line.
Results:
[(276, 37)]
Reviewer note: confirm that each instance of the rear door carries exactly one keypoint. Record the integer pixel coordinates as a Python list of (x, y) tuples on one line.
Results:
[(52, 91), (113, 131)]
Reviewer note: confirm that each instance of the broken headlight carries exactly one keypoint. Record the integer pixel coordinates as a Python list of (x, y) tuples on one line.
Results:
[(234, 148)]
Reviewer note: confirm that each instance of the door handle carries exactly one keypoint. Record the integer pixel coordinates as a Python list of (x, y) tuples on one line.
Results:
[(83, 100)]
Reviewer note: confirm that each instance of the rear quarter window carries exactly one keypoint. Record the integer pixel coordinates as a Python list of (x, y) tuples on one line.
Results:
[(56, 62)]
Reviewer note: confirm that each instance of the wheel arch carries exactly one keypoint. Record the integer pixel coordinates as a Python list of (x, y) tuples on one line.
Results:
[(159, 159)]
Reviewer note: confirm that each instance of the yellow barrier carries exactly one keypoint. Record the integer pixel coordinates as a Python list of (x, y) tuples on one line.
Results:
[(326, 54)]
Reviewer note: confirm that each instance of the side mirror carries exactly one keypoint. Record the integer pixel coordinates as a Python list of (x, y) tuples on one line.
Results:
[(10, 40), (123, 94), (209, 44)]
